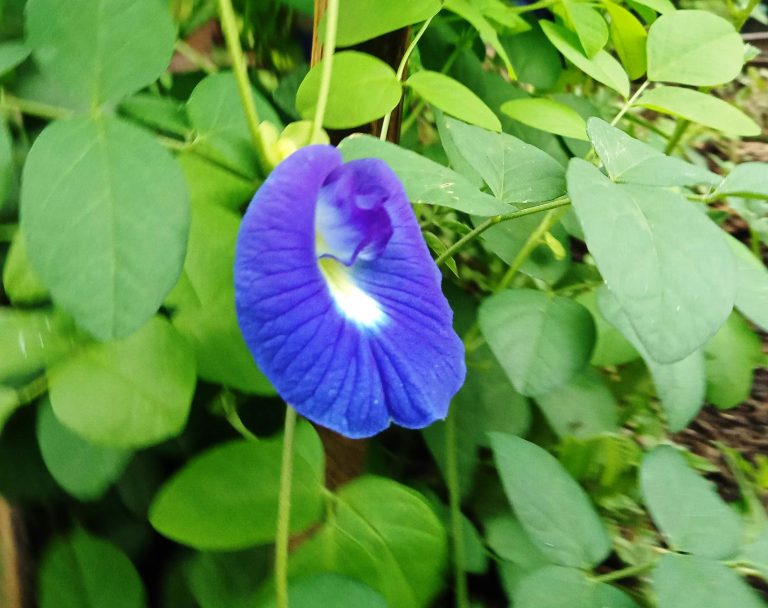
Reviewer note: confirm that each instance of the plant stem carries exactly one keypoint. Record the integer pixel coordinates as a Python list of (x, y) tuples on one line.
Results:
[(498, 219), (284, 510), (32, 108), (533, 241), (745, 14), (627, 572), (196, 57), (630, 102), (401, 72), (677, 135), (329, 46), (454, 496), (31, 391), (232, 38)]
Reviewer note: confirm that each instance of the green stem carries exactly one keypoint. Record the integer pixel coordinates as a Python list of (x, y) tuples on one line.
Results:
[(33, 108), (745, 14), (196, 57), (627, 572), (284, 510), (401, 72), (677, 134), (329, 47), (533, 241), (232, 38), (31, 391), (454, 496), (630, 102), (497, 219)]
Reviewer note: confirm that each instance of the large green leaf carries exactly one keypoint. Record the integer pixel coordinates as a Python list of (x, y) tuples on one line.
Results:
[(226, 498), (558, 587), (453, 98), (687, 581), (100, 50), (81, 468), (686, 508), (363, 88), (550, 505), (361, 20), (602, 67), (589, 25), (425, 181), (129, 393), (383, 534), (699, 107), (105, 214), (680, 385), (516, 172), (752, 278), (629, 38), (747, 180), (82, 571), (541, 340), (694, 47), (667, 264), (547, 115), (330, 590)]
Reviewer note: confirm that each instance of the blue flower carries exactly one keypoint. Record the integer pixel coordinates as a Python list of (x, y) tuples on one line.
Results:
[(339, 300)]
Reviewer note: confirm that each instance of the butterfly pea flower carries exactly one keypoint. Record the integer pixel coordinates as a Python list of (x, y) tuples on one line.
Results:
[(339, 300)]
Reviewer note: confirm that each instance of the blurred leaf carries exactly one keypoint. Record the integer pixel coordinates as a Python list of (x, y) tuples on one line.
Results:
[(699, 107), (163, 113), (453, 98), (112, 245), (350, 100), (557, 587), (82, 571), (84, 470), (611, 347), (226, 497), (749, 180), (12, 53), (129, 393), (7, 168), (19, 280), (100, 51), (629, 38), (752, 279), (660, 6), (551, 506), (537, 62), (541, 341), (9, 403), (694, 47), (507, 538), (227, 580), (361, 20), (588, 24), (547, 115), (330, 590)]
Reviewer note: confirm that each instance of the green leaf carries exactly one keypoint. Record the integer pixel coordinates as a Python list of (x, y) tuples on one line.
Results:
[(680, 385), (686, 508), (557, 587), (611, 347), (755, 554), (602, 67), (9, 403), (7, 166), (589, 25), (129, 393), (363, 88), (687, 581), (747, 180), (330, 591), (666, 263), (507, 538), (12, 53), (217, 115), (425, 181), (731, 355), (752, 279), (629, 38), (541, 341), (537, 62), (100, 51), (227, 580), (699, 107), (361, 20), (226, 497), (453, 98), (547, 115), (694, 47), (204, 303), (105, 215), (163, 113), (82, 571), (551, 506), (628, 160), (211, 184), (660, 6), (383, 534), (19, 280), (84, 470), (582, 408), (515, 172)]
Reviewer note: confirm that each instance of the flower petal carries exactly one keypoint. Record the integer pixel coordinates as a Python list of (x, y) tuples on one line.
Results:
[(355, 347)]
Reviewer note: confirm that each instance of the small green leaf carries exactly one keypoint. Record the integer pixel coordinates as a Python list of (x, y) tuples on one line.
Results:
[(537, 62), (688, 581), (602, 67), (660, 6), (105, 215), (752, 279), (629, 38), (453, 98), (164, 113), (589, 25), (361, 20), (84, 470), (103, 51), (541, 341), (226, 497), (19, 280), (699, 107), (694, 47), (82, 571), (7, 165), (425, 181), (747, 180), (351, 99), (129, 393), (611, 347), (547, 115), (557, 587), (554, 510), (12, 53), (686, 508)]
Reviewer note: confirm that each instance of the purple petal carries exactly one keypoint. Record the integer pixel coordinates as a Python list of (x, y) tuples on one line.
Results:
[(352, 327)]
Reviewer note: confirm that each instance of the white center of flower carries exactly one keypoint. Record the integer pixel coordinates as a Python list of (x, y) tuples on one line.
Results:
[(354, 303)]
